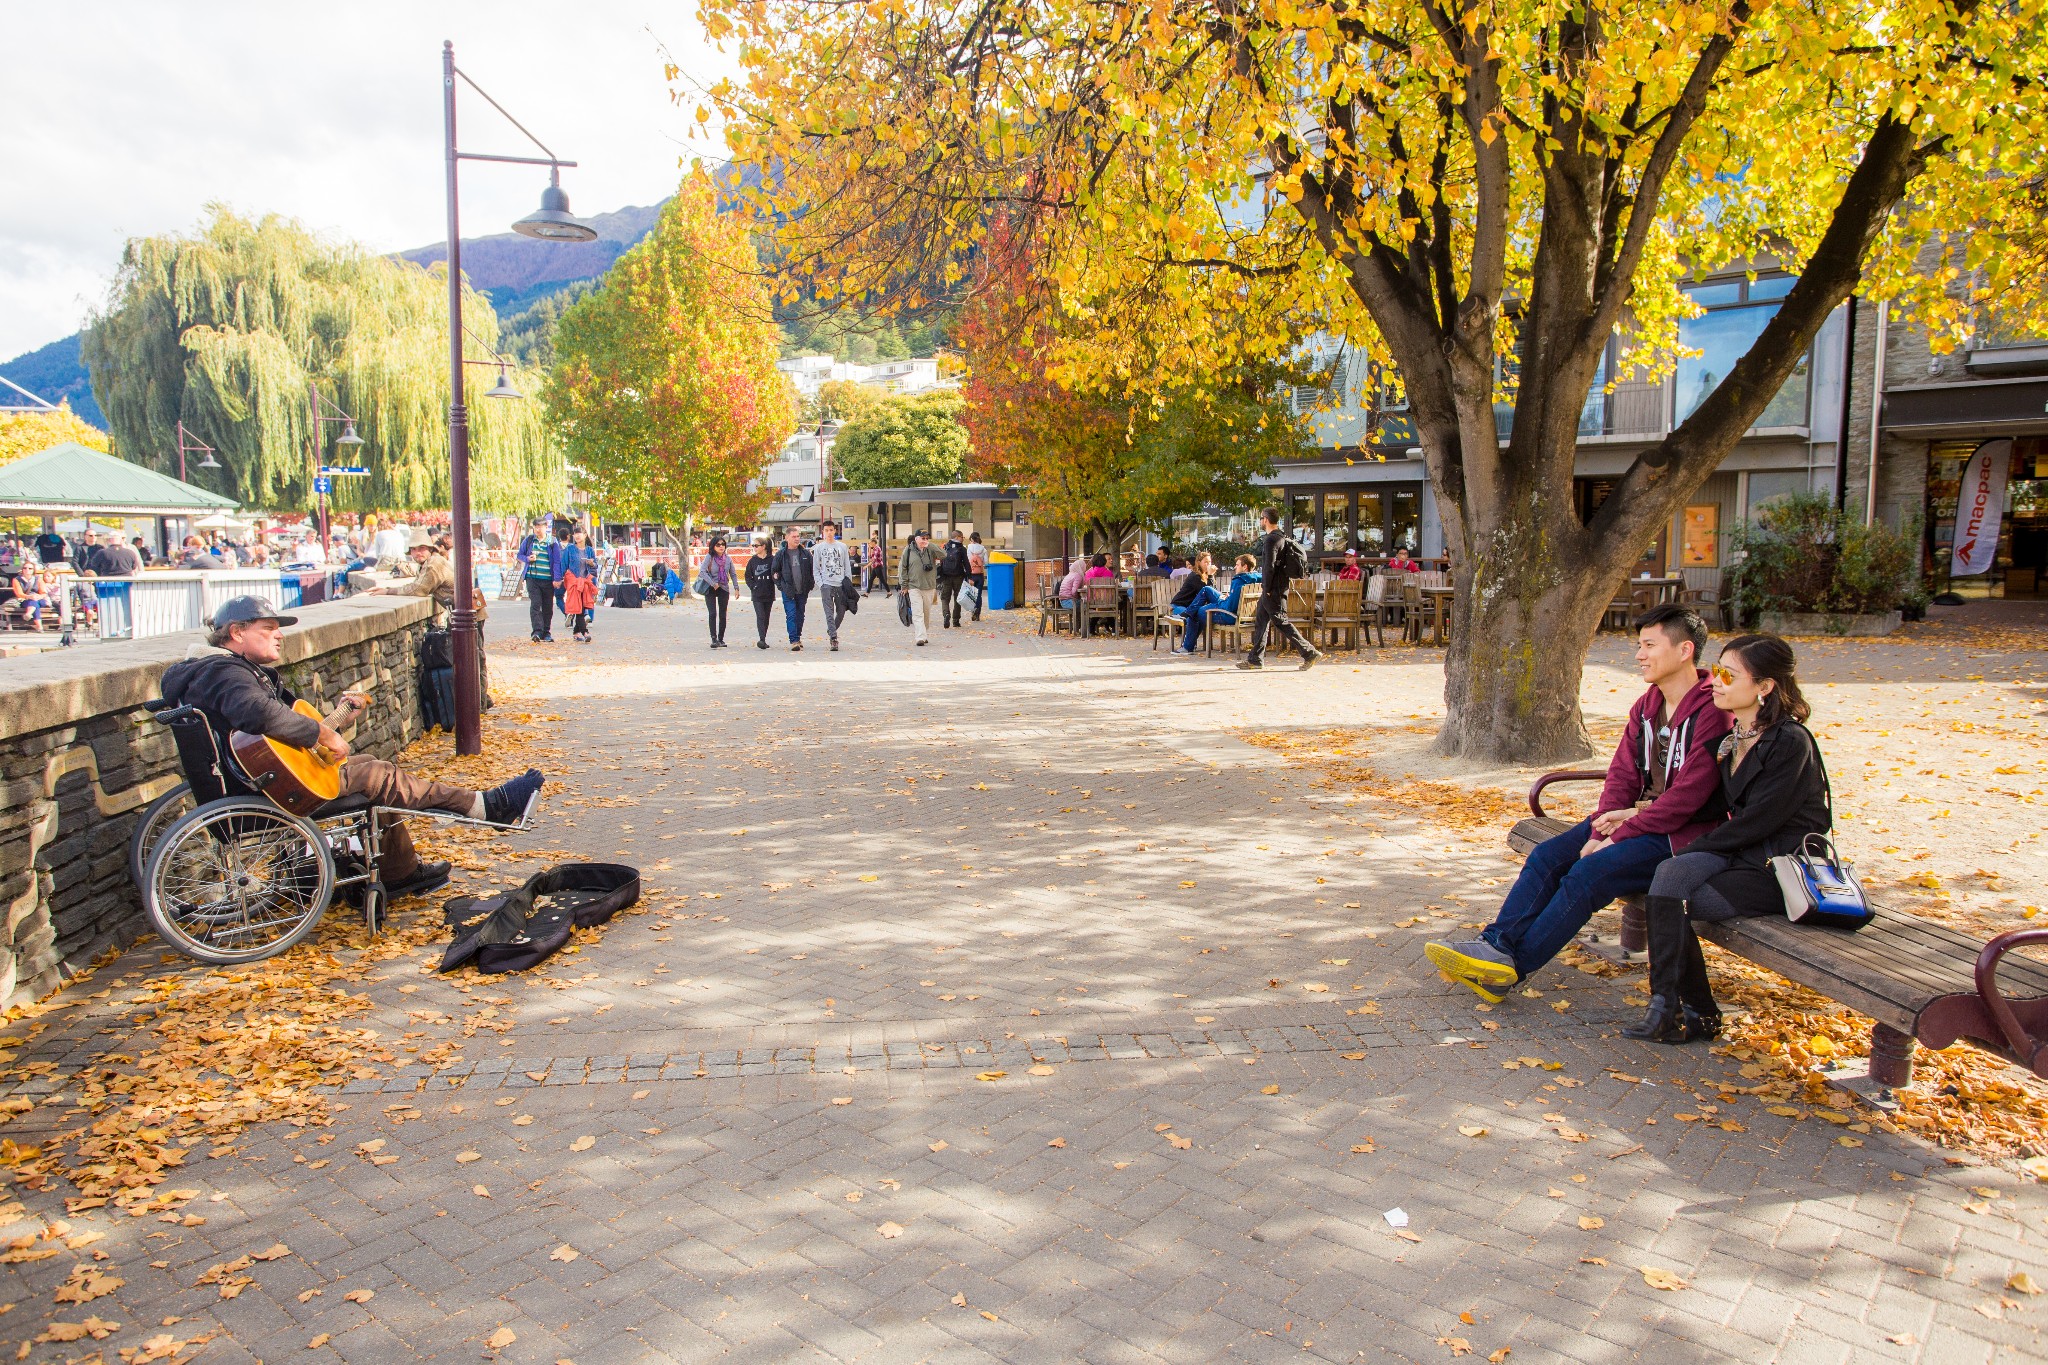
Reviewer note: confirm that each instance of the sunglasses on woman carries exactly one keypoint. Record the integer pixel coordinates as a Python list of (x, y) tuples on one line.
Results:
[(1722, 674)]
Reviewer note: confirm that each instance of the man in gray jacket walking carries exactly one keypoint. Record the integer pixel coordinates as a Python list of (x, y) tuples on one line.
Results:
[(833, 566), (920, 580)]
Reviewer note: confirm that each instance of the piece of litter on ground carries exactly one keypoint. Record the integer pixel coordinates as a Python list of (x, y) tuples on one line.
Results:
[(1396, 1218)]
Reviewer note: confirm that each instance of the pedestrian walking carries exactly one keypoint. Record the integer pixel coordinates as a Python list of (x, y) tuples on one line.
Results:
[(953, 570), (977, 571), (761, 586), (1281, 563), (877, 565), (579, 585), (540, 560), (795, 576), (833, 566), (714, 584), (918, 576)]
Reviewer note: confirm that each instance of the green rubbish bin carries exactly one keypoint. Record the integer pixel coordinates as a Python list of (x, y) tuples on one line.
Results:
[(1002, 582)]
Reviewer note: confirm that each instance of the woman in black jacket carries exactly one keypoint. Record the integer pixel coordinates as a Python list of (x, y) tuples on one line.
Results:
[(761, 586), (1776, 788)]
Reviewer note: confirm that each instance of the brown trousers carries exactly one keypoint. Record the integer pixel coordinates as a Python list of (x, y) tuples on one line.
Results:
[(390, 785)]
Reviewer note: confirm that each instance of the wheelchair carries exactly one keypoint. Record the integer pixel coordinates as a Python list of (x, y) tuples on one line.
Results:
[(227, 876)]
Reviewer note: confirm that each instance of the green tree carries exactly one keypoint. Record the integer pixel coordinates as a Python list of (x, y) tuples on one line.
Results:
[(839, 400), (229, 331), (902, 443), (665, 392), (1449, 184)]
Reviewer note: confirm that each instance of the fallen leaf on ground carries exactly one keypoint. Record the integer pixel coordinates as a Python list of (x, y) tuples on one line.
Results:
[(1041, 1070), (1591, 1221), (480, 1192), (1270, 1090), (990, 1075), (564, 1253), (583, 1144), (891, 1230), (1459, 1346), (360, 1295), (464, 1157), (317, 1342), (1658, 1278), (1473, 1130), (500, 1339), (87, 1284), (843, 1099), (2023, 1283), (275, 1252), (1057, 1142), (940, 1145), (959, 1300)]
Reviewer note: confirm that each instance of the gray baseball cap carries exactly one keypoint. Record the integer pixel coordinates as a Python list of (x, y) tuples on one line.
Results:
[(239, 610)]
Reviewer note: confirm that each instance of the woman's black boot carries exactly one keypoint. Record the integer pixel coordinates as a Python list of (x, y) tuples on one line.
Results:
[(1665, 1021)]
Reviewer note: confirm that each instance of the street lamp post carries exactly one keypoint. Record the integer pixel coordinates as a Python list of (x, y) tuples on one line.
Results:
[(190, 443), (348, 437), (550, 222)]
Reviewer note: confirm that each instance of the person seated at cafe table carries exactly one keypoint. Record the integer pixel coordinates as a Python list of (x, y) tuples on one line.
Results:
[(1350, 572), (1207, 606), (1070, 586), (1156, 567), (1401, 562), (1098, 567)]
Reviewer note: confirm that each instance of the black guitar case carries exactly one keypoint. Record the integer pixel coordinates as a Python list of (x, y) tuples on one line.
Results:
[(524, 927)]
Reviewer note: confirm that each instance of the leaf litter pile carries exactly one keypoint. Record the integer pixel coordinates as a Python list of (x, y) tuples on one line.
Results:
[(211, 1052), (1784, 1035)]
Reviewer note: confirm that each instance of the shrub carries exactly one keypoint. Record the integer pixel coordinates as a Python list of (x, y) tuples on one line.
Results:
[(1802, 553)]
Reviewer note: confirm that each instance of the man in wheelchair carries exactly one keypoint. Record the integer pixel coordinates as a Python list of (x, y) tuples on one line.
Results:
[(232, 680)]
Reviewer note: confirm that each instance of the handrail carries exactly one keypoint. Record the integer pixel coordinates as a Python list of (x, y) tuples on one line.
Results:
[(1563, 775), (2025, 1047)]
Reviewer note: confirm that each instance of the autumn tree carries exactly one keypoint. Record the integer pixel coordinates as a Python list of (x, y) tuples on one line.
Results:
[(909, 442), (1113, 459), (26, 433), (1481, 192), (228, 330), (840, 400), (665, 392)]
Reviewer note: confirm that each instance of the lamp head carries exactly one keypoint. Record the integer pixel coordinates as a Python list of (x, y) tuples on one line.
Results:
[(209, 462), (552, 221), (503, 388), (348, 436)]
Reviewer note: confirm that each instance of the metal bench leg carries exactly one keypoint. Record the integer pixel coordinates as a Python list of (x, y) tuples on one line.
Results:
[(1891, 1057), (1635, 927)]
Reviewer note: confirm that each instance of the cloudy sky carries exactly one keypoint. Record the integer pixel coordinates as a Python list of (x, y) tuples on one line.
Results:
[(126, 117)]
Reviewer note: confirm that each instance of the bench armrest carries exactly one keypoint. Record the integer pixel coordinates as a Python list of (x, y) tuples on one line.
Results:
[(1567, 775), (2026, 1049)]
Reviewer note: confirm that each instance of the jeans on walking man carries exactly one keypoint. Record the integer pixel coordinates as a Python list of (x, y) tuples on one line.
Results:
[(1281, 562), (795, 576), (1663, 791), (833, 566)]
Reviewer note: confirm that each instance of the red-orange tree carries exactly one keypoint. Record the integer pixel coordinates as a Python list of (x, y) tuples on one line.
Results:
[(665, 393), (1112, 461)]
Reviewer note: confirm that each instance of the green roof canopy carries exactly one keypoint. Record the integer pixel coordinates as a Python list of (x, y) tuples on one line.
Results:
[(75, 478)]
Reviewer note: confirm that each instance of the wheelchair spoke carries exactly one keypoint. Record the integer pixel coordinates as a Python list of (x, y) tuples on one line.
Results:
[(238, 883)]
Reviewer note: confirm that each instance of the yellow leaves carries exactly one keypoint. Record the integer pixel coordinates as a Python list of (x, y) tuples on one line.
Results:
[(86, 1284), (1041, 1069), (96, 1328), (1473, 1130), (1658, 1278), (500, 1339), (990, 1075), (1269, 1090), (890, 1231), (2022, 1283), (1592, 1222), (359, 1295), (583, 1144), (564, 1253)]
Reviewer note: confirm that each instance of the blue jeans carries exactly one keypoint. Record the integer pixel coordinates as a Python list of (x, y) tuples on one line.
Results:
[(793, 615), (1558, 891), (1197, 618)]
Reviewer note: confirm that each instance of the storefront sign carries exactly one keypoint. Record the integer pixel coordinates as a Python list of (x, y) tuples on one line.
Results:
[(1702, 536), (1980, 504)]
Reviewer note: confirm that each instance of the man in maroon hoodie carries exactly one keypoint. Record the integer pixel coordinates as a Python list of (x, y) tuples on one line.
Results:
[(1663, 791)]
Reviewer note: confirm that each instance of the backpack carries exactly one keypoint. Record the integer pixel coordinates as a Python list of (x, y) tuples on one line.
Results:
[(955, 564), (1289, 562)]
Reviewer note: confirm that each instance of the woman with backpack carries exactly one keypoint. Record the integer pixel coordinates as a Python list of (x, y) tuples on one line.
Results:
[(953, 571), (579, 584), (1776, 787)]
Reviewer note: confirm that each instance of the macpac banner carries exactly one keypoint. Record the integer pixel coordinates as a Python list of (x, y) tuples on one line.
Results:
[(1980, 502)]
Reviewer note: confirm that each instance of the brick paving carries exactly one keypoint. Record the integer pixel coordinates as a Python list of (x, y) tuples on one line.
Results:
[(914, 869)]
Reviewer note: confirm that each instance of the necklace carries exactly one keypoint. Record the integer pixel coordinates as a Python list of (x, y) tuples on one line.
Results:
[(1736, 738)]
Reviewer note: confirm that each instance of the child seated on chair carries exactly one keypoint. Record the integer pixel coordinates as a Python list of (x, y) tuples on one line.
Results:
[(233, 681)]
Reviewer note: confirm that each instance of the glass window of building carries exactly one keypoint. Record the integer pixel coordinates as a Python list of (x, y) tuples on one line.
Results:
[(963, 516), (1407, 528), (1372, 524), (1002, 530), (1336, 522), (899, 513), (1302, 509), (942, 522), (1736, 314)]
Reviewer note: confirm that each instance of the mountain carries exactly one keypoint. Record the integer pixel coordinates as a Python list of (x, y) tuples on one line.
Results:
[(516, 271), (54, 373)]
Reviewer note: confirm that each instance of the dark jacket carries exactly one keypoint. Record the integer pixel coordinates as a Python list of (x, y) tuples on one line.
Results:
[(1691, 803), (761, 575), (793, 572), (1271, 574), (114, 561), (953, 564), (1191, 584), (235, 694), (1775, 799)]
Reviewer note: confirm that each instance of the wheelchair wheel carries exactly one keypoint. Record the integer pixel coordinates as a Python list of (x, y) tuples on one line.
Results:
[(237, 880), (162, 813)]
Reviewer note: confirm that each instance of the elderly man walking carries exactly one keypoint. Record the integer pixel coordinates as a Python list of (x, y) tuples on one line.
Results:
[(919, 576), (795, 576), (833, 566)]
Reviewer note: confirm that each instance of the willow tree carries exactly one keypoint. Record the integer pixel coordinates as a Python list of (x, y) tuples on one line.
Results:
[(1453, 184), (665, 392), (230, 330)]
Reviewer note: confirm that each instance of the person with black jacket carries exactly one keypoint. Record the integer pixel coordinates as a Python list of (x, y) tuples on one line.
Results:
[(953, 572), (761, 586), (1776, 788), (1281, 562), (233, 681), (795, 576)]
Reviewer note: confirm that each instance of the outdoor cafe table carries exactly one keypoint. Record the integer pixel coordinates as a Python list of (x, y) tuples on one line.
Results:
[(1445, 599), (1666, 586)]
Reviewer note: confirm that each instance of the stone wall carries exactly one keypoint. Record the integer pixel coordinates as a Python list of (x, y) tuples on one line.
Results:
[(80, 760)]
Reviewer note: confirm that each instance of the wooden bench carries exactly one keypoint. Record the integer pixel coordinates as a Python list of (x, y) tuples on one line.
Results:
[(1919, 981)]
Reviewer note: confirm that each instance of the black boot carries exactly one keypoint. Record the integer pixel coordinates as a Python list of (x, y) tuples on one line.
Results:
[(1665, 1021)]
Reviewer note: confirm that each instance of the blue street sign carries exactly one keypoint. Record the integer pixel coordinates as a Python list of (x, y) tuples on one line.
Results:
[(350, 470), (323, 485)]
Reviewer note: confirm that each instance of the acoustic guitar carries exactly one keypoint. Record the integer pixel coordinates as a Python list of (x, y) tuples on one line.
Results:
[(299, 780)]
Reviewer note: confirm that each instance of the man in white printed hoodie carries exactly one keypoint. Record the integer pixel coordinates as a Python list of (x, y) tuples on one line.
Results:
[(833, 566)]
